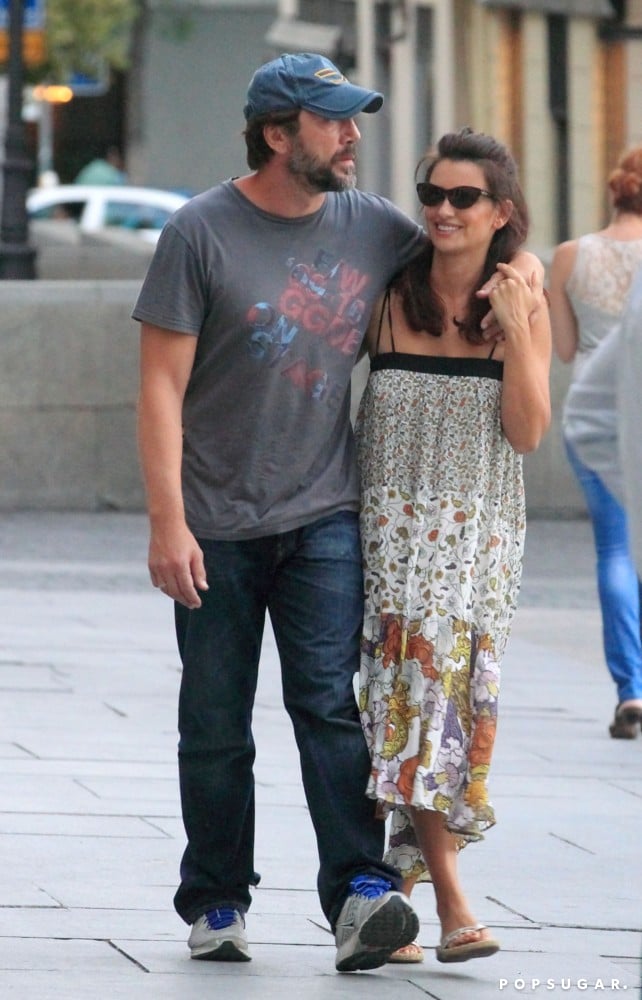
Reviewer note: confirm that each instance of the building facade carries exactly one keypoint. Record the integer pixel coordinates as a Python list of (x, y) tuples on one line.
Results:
[(559, 80)]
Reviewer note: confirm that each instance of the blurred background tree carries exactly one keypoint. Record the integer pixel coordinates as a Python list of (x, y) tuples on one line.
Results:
[(90, 45), (82, 34)]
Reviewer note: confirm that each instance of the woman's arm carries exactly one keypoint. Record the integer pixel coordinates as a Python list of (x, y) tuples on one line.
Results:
[(526, 404), (563, 319)]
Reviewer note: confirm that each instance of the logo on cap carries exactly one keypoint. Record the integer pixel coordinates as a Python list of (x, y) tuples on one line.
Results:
[(331, 75)]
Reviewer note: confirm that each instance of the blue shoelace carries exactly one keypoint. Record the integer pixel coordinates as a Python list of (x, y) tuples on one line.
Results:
[(218, 920), (370, 886)]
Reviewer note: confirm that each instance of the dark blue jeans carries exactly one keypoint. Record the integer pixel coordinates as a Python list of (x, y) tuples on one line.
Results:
[(617, 582), (310, 581)]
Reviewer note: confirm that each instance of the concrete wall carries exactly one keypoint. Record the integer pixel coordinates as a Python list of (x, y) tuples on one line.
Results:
[(63, 252), (68, 385)]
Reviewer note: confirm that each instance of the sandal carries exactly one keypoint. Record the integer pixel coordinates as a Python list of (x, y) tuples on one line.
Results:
[(412, 952), (482, 948), (626, 723)]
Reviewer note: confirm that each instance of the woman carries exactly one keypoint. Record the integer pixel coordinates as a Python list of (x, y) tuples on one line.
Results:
[(442, 426), (589, 284)]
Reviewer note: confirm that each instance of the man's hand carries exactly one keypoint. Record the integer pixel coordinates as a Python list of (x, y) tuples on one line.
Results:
[(176, 564)]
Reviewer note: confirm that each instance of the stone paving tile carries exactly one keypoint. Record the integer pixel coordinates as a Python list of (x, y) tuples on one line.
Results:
[(208, 980), (536, 939), (131, 788), (26, 793), (57, 955), (21, 894), (86, 894), (91, 924), (95, 767), (78, 825)]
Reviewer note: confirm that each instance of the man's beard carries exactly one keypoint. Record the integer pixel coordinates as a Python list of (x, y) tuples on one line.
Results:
[(316, 175)]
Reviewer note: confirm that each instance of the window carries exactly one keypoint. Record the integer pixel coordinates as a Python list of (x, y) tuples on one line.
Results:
[(134, 215), (60, 210)]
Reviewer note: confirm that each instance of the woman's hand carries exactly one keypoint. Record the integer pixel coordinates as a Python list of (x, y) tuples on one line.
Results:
[(491, 327), (534, 277), (514, 300)]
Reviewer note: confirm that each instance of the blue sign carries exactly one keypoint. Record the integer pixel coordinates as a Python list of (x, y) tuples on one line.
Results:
[(33, 14), (89, 86)]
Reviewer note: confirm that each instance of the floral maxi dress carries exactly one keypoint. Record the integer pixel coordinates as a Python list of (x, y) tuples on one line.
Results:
[(442, 528)]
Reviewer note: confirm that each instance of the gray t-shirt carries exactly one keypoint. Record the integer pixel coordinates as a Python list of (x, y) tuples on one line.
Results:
[(280, 307)]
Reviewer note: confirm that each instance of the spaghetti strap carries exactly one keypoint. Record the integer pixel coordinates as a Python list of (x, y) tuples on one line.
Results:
[(392, 336), (492, 350), (385, 306)]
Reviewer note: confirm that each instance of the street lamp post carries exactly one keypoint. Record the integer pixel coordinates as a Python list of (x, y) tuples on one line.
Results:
[(17, 257)]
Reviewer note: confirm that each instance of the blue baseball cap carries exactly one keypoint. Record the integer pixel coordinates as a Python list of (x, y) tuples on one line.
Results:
[(307, 81)]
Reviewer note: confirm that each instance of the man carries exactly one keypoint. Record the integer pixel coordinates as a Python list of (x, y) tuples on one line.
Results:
[(252, 314)]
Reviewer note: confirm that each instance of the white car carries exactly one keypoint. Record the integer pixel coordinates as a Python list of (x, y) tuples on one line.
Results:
[(140, 210)]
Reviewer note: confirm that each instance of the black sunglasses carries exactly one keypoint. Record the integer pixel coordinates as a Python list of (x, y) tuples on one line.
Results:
[(459, 197)]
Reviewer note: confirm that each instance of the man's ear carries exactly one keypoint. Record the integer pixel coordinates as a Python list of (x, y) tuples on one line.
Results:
[(276, 137)]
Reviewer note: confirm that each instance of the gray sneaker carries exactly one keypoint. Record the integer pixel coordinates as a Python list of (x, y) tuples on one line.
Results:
[(219, 936), (374, 921)]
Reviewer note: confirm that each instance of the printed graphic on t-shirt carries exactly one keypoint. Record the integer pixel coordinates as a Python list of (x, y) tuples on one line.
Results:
[(320, 300)]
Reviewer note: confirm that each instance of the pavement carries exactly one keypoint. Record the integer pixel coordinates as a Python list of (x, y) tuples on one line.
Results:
[(90, 828)]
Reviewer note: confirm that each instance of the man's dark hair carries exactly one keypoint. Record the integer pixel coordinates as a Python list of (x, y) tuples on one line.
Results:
[(258, 151), (423, 309)]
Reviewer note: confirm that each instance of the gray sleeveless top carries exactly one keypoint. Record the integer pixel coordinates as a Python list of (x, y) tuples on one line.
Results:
[(598, 287)]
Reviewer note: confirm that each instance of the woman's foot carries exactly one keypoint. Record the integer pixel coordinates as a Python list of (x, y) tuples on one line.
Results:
[(412, 952), (473, 941), (628, 720)]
